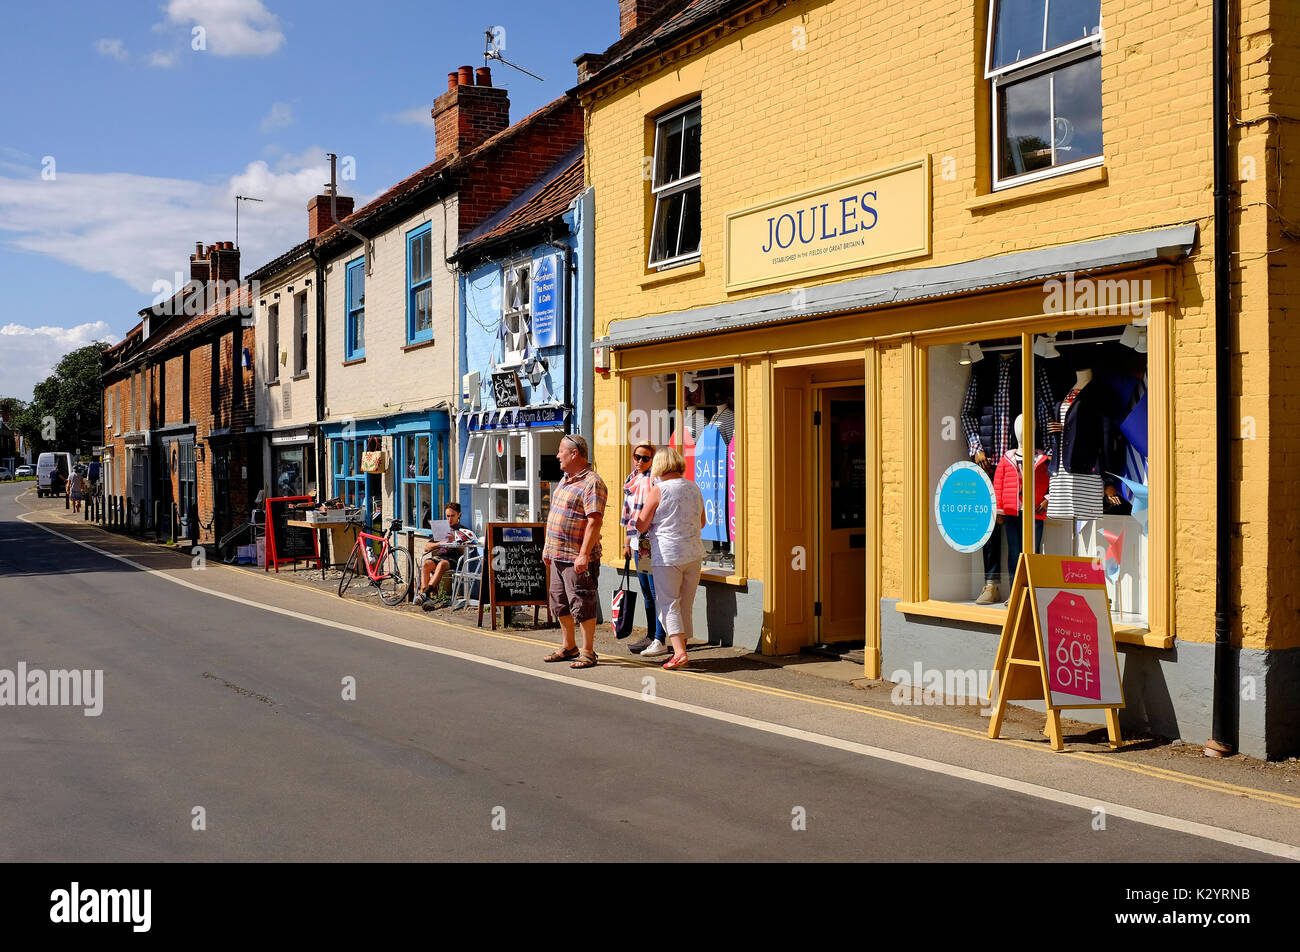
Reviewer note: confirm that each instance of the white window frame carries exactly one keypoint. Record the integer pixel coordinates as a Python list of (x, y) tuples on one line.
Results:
[(299, 333), (668, 190), (1048, 61)]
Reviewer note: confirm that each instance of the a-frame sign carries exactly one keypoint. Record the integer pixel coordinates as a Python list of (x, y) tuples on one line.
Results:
[(1057, 645)]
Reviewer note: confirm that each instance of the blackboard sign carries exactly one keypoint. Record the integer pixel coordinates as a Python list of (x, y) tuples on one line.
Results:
[(514, 573), (286, 543), (506, 390)]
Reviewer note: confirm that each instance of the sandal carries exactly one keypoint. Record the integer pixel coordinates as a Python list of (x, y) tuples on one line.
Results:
[(585, 660), (562, 654), (673, 664)]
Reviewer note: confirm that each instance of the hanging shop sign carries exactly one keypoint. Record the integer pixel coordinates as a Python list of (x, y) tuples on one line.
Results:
[(1057, 645), (506, 389), (883, 216), (548, 330), (965, 507)]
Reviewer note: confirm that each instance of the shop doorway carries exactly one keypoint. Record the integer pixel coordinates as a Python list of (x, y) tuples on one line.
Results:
[(840, 514)]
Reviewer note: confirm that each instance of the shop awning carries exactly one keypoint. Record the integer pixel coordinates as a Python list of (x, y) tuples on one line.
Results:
[(914, 284)]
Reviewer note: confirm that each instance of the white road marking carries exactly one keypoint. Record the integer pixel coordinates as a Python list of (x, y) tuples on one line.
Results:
[(1089, 804)]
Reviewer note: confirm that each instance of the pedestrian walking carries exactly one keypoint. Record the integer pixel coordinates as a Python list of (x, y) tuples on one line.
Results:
[(673, 514), (572, 550), (76, 489), (637, 546)]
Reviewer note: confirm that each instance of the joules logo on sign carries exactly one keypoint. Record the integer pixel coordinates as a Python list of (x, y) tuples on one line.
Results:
[(881, 216)]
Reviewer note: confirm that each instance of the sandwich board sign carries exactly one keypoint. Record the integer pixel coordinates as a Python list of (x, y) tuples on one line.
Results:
[(1057, 645)]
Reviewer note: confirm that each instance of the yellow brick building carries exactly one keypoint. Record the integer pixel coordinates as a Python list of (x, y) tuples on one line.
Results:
[(806, 215)]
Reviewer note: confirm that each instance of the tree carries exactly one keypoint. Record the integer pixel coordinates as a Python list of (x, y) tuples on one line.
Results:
[(66, 412)]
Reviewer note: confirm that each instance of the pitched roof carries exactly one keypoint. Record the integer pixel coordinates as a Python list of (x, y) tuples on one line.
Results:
[(426, 177), (548, 198), (674, 23), (240, 301)]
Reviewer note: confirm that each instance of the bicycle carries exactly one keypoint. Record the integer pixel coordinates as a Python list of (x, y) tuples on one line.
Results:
[(389, 570)]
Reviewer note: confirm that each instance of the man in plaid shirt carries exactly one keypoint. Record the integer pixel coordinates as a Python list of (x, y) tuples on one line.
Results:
[(572, 550)]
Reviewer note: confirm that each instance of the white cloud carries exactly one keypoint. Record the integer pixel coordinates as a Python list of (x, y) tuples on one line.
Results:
[(29, 354), (415, 116), (162, 60), (142, 229), (230, 27), (280, 117), (113, 48)]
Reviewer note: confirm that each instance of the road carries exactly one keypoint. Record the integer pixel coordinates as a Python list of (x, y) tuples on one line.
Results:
[(229, 705)]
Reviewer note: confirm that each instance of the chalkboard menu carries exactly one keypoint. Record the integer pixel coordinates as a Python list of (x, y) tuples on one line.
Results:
[(514, 560), (287, 543)]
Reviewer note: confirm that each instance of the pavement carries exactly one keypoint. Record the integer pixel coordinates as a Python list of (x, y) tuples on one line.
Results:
[(226, 690)]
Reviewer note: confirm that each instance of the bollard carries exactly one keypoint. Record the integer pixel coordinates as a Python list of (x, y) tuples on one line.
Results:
[(176, 518), (193, 521)]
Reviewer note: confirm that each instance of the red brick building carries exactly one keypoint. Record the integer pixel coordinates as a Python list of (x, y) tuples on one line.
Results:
[(178, 398)]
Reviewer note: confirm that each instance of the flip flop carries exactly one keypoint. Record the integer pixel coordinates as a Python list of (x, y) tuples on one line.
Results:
[(562, 654)]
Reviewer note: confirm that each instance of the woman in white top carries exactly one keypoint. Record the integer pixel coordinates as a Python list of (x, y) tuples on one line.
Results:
[(673, 514)]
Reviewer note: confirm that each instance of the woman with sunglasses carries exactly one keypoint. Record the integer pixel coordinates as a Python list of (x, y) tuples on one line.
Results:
[(637, 546)]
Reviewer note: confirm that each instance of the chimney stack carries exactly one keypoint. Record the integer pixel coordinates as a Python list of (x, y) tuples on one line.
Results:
[(633, 13), (200, 265), (468, 112), (318, 212), (224, 258)]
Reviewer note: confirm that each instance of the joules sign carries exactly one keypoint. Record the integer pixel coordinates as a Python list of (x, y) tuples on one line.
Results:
[(883, 216)]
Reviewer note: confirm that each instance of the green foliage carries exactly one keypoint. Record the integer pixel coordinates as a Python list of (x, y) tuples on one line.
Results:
[(73, 397)]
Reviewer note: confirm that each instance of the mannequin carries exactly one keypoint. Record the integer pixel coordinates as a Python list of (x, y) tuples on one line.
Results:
[(1009, 485), (1087, 446)]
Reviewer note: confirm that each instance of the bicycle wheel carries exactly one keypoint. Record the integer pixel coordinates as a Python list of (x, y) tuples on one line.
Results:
[(395, 576), (349, 572)]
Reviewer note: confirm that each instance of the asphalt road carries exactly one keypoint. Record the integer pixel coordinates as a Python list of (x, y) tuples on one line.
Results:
[(227, 707)]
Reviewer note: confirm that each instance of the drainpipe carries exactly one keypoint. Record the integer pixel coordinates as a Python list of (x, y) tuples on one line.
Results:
[(366, 243), (1223, 740), (321, 483)]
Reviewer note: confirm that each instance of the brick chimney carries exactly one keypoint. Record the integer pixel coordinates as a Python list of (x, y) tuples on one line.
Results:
[(318, 212), (200, 266), (224, 257), (468, 112), (633, 13)]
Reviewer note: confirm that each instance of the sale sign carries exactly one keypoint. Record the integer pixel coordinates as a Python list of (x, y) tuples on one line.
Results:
[(1073, 652)]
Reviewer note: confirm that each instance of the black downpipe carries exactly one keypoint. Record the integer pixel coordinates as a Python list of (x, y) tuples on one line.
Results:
[(322, 493), (1224, 726)]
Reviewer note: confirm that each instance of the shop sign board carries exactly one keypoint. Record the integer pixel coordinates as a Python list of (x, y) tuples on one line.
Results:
[(1057, 644), (878, 217), (506, 389), (547, 329), (965, 507), (513, 570)]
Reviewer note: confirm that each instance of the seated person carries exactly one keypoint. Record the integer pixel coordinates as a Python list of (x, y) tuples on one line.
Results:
[(441, 556)]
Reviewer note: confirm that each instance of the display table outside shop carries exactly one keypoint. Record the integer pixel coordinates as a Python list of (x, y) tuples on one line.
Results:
[(342, 537)]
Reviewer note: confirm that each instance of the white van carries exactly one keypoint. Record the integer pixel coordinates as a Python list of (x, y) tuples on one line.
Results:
[(46, 466)]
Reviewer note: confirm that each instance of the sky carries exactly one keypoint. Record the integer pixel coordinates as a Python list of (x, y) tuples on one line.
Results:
[(128, 128)]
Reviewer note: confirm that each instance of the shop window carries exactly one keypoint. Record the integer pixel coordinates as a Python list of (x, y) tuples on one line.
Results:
[(675, 233), (705, 432), (293, 469), (1090, 463), (422, 488), (419, 280), (349, 481), (355, 329), (1044, 62)]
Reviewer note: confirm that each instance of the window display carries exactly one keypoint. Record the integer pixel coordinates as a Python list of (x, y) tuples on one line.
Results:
[(1089, 461)]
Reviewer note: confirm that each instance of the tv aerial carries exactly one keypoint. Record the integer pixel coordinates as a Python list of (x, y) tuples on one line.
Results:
[(492, 51)]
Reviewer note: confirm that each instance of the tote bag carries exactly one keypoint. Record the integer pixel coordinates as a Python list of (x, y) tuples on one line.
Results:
[(622, 606)]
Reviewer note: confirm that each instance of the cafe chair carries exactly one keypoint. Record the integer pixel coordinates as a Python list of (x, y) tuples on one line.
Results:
[(465, 577)]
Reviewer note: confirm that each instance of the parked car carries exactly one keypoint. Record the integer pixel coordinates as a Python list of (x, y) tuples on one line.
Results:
[(26, 469), (47, 465), (6, 473)]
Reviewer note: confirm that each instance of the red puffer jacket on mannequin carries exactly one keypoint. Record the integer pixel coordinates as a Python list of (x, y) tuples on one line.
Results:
[(1007, 483)]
